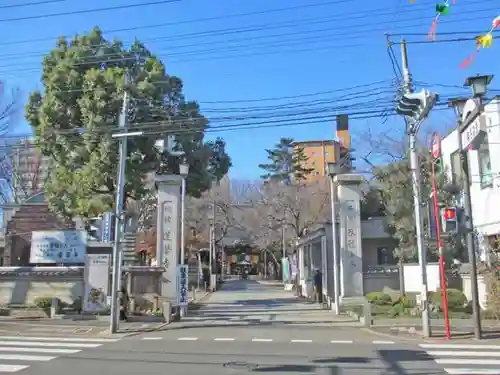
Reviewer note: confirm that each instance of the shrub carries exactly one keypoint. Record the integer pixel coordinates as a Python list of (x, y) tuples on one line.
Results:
[(45, 302), (379, 298), (396, 310), (456, 299), (404, 301)]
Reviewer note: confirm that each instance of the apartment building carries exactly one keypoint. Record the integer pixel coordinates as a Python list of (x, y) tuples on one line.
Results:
[(321, 152)]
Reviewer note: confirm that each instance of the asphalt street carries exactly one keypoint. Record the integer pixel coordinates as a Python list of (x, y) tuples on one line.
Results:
[(211, 342)]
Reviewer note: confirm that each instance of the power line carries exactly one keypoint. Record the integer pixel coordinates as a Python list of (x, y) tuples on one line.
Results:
[(33, 3), (351, 15), (235, 48), (87, 11), (168, 127)]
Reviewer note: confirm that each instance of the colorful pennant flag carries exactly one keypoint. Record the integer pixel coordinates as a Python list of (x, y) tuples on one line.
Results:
[(482, 41), (442, 9)]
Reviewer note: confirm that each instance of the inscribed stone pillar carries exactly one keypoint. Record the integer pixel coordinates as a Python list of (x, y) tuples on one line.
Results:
[(168, 225), (351, 254)]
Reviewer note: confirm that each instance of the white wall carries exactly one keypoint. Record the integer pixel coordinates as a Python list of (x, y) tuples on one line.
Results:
[(485, 201), (413, 278)]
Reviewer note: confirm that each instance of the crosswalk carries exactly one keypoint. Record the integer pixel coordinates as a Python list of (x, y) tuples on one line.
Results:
[(20, 352), (465, 359)]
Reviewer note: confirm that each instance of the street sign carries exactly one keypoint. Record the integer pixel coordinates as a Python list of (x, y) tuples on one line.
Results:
[(182, 285), (436, 145)]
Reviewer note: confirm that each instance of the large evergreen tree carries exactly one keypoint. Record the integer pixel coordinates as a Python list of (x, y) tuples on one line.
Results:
[(287, 163), (75, 115)]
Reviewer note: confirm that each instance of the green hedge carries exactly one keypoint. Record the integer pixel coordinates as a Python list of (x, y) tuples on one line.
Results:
[(45, 302), (456, 299), (379, 298)]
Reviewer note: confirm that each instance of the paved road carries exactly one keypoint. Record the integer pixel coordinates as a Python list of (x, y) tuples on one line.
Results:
[(248, 302), (132, 356), (211, 343)]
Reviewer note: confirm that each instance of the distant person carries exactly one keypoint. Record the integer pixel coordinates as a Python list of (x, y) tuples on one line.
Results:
[(318, 286), (123, 304)]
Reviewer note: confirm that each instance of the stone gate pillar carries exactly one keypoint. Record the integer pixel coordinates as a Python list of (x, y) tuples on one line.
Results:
[(351, 254), (168, 231)]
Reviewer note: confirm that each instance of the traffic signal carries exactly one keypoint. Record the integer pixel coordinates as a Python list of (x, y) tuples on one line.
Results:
[(416, 105), (449, 220), (438, 166)]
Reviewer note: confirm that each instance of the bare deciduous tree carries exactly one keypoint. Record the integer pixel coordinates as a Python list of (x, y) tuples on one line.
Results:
[(9, 108), (21, 169), (297, 208)]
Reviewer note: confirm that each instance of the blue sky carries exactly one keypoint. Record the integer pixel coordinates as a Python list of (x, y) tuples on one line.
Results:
[(290, 53)]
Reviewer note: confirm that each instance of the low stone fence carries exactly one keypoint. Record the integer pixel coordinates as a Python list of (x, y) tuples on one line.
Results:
[(22, 285)]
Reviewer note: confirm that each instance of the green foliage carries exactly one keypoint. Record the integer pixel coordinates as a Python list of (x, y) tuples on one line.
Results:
[(45, 302), (405, 302), (286, 162), (78, 110), (396, 193), (456, 299), (379, 298)]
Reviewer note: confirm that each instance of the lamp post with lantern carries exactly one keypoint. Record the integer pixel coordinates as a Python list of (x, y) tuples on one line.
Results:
[(333, 170), (471, 129), (183, 172)]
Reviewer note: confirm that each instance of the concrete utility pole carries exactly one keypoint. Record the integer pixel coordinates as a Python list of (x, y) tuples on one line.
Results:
[(119, 220), (412, 130)]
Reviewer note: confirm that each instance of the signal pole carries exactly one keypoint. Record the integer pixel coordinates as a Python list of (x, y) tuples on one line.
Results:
[(412, 130), (436, 156)]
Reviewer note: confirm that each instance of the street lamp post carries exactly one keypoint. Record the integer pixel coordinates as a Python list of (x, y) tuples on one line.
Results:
[(183, 171), (468, 111), (333, 170)]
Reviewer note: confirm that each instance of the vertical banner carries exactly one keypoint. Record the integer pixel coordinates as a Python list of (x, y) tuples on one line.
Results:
[(285, 266), (324, 263), (182, 285), (96, 277), (107, 227)]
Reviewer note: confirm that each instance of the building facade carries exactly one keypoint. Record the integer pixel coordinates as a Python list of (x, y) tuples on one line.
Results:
[(484, 173), (321, 152)]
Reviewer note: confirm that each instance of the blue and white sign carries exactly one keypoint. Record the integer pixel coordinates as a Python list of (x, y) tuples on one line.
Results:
[(107, 227), (182, 285), (59, 247)]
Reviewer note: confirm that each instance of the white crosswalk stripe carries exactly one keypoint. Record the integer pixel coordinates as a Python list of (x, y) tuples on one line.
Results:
[(464, 359), (20, 352)]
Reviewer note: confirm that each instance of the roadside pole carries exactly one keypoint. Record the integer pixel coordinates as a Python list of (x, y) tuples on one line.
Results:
[(436, 155)]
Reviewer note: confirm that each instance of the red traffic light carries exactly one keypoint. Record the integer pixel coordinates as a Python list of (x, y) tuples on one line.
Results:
[(450, 213)]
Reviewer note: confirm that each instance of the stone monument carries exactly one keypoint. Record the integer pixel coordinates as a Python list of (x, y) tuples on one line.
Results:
[(168, 231), (351, 254)]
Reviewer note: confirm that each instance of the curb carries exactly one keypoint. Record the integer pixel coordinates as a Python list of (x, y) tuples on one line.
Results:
[(163, 325)]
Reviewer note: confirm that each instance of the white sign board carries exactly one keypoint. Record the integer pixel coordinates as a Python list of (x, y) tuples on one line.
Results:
[(96, 282), (59, 247), (182, 285), (473, 134)]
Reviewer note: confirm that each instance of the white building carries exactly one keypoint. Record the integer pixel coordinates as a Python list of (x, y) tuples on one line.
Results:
[(484, 172)]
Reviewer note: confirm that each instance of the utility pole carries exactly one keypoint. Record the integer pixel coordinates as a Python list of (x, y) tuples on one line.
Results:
[(119, 220), (212, 246), (412, 129)]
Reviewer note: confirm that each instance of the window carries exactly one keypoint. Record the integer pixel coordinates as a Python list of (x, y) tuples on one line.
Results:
[(385, 256), (483, 158), (456, 168)]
